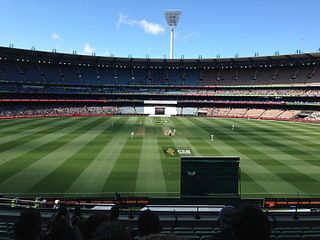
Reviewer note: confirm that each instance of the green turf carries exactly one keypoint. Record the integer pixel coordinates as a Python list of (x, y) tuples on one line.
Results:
[(96, 156)]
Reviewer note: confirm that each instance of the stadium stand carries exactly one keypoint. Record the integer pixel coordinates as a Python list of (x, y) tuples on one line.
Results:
[(272, 113), (280, 87), (314, 116), (237, 112), (289, 114), (254, 113)]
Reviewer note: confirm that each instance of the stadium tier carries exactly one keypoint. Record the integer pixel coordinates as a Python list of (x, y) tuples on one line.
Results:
[(53, 68), (288, 84)]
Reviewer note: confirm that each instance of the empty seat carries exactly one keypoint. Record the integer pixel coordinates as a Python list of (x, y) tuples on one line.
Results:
[(167, 229), (289, 237), (4, 233), (166, 232), (190, 237), (312, 232), (311, 237), (204, 233), (183, 229), (275, 232), (202, 229), (283, 228), (181, 232), (292, 232), (135, 231), (216, 229), (302, 228), (205, 237)]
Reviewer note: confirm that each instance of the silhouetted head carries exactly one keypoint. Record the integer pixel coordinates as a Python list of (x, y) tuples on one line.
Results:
[(250, 223), (114, 213), (112, 231), (92, 223), (148, 223), (28, 225), (225, 216)]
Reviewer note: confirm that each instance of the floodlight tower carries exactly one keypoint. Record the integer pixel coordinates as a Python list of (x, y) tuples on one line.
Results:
[(172, 18)]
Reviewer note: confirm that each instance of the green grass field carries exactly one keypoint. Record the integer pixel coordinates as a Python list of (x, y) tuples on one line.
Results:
[(96, 156)]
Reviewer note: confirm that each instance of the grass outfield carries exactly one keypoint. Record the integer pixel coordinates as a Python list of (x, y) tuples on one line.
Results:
[(96, 155)]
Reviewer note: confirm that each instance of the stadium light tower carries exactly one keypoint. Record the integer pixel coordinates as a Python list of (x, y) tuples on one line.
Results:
[(172, 18)]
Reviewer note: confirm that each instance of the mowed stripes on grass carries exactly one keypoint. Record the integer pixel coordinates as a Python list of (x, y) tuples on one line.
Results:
[(97, 156)]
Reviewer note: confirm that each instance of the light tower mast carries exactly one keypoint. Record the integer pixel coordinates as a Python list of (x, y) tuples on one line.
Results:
[(172, 18)]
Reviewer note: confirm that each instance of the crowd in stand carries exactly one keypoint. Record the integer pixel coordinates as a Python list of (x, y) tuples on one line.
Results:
[(315, 116), (261, 92), (211, 92), (258, 113), (22, 110), (223, 92), (60, 110), (244, 223)]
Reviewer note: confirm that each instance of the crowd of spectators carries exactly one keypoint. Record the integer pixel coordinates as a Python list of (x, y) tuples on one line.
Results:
[(53, 109), (261, 92), (61, 110), (257, 113), (223, 92), (315, 116), (244, 223)]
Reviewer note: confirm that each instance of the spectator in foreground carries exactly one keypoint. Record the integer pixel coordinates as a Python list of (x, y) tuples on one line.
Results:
[(250, 223), (77, 219), (61, 227), (114, 213), (111, 231), (148, 223), (92, 223), (28, 225), (224, 219)]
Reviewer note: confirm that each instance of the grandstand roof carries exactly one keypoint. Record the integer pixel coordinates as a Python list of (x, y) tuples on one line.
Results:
[(66, 58)]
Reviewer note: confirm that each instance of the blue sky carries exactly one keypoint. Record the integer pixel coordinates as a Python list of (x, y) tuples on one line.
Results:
[(138, 27)]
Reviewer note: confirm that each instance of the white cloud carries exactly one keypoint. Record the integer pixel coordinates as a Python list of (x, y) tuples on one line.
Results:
[(88, 49), (123, 19), (55, 36), (148, 27)]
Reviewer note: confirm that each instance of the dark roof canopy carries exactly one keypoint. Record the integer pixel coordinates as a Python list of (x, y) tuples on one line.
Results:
[(55, 57)]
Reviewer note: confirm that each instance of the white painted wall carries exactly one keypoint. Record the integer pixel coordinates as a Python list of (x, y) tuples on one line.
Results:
[(149, 110), (170, 111)]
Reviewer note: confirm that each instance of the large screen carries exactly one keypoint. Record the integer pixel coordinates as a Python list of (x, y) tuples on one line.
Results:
[(159, 110), (209, 176)]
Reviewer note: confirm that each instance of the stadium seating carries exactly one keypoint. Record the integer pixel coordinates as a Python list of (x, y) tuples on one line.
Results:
[(196, 232)]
